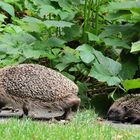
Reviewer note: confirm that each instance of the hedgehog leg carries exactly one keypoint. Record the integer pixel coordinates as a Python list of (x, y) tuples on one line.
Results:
[(66, 116), (72, 105), (10, 112), (8, 108), (135, 119)]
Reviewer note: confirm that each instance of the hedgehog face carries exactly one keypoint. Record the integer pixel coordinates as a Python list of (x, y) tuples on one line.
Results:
[(117, 113)]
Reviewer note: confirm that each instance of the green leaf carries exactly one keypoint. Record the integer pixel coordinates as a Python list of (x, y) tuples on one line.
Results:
[(11, 28), (111, 66), (41, 2), (68, 16), (50, 56), (32, 19), (56, 51), (55, 42), (30, 53), (86, 53), (116, 42), (31, 24), (121, 14), (54, 23), (129, 67), (72, 33), (131, 84), (61, 66), (8, 8), (92, 37), (32, 27), (105, 69), (2, 17), (48, 9), (135, 47), (14, 39), (65, 5), (71, 77), (83, 90), (125, 5), (70, 56), (127, 31), (101, 73), (11, 60)]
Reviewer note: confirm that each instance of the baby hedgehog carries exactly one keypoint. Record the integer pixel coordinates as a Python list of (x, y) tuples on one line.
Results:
[(126, 109), (36, 91)]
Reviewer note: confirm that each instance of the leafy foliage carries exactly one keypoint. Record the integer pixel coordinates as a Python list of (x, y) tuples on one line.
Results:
[(131, 84)]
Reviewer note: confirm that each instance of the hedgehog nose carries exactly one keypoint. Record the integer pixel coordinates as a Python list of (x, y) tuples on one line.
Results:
[(75, 102)]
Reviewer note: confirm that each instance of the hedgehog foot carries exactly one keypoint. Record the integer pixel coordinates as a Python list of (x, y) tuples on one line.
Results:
[(134, 119), (44, 114), (6, 112)]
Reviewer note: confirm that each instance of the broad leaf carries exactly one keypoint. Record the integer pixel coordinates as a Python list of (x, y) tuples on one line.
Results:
[(11, 28), (41, 2), (54, 23), (32, 19), (70, 56), (105, 69), (2, 17), (131, 84), (68, 16), (83, 90), (135, 47), (72, 33), (86, 53), (125, 5), (71, 77), (121, 14), (48, 9), (65, 5), (111, 66), (101, 73), (93, 37), (55, 42), (8, 8), (61, 66), (21, 37), (116, 42), (30, 53), (129, 67)]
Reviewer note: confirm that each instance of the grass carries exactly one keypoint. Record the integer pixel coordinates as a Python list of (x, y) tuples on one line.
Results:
[(83, 127)]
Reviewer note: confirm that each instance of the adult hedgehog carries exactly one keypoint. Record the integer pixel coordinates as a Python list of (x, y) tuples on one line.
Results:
[(37, 91), (126, 109)]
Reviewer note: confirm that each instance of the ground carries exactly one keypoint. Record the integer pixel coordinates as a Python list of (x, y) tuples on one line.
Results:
[(84, 126)]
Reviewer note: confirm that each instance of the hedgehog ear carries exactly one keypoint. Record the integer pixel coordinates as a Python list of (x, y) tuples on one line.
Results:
[(125, 108)]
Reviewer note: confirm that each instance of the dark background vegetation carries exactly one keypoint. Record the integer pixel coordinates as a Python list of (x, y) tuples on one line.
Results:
[(95, 43)]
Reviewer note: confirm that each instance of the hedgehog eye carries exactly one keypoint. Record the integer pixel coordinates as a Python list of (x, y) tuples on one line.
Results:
[(117, 112), (125, 108)]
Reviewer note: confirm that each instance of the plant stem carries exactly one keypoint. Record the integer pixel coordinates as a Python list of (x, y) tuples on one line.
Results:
[(96, 16)]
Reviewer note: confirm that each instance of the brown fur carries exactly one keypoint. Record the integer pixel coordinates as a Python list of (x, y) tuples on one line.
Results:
[(126, 109), (39, 91)]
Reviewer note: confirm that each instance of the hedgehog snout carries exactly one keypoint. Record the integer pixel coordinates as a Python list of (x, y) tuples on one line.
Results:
[(74, 103)]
